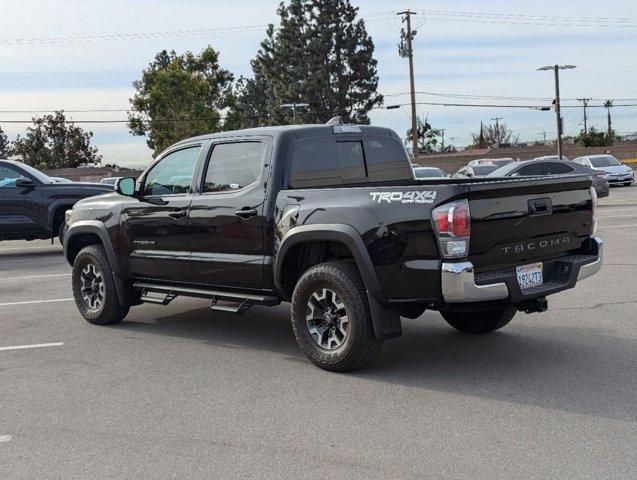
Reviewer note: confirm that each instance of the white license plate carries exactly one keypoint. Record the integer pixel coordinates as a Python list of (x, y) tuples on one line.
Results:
[(530, 275)]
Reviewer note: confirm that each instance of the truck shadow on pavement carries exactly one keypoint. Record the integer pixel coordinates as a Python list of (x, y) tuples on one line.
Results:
[(582, 371)]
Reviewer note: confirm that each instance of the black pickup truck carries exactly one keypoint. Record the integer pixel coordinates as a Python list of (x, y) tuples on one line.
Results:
[(32, 205), (330, 219)]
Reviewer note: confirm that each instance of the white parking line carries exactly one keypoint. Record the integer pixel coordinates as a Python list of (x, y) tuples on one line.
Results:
[(601, 227), (37, 276), (601, 217), (37, 345), (14, 249), (8, 304), (5, 438)]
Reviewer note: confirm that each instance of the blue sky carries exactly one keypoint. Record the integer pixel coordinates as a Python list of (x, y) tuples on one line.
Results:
[(486, 57)]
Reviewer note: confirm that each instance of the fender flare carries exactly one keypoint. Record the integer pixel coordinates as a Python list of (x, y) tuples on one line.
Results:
[(54, 207), (93, 227), (98, 228), (385, 320)]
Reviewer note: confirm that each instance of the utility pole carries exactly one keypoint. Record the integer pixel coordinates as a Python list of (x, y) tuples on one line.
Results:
[(407, 50), (544, 135), (497, 130), (442, 144), (584, 104)]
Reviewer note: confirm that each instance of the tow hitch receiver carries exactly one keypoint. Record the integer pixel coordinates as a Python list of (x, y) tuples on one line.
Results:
[(536, 305)]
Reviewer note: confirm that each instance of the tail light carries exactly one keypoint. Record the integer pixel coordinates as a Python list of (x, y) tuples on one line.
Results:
[(452, 223), (594, 222)]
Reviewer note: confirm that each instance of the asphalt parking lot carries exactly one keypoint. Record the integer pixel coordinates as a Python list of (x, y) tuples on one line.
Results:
[(181, 392)]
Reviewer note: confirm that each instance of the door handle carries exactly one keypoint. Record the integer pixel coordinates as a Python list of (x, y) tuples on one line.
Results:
[(178, 213), (246, 212)]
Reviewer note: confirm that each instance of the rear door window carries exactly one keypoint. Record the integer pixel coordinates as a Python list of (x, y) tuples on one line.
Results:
[(554, 168), (386, 160), (233, 166), (534, 169)]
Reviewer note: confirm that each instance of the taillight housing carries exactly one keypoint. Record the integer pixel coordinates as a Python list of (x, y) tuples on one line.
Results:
[(452, 223), (594, 222)]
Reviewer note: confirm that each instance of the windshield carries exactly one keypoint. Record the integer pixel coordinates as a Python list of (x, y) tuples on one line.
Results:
[(503, 161), (36, 173), (605, 161), (484, 169), (429, 173)]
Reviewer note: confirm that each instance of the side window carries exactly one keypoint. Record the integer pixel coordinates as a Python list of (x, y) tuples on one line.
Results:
[(172, 175), (8, 176), (352, 162), (553, 168), (315, 163), (386, 160), (233, 166), (533, 169)]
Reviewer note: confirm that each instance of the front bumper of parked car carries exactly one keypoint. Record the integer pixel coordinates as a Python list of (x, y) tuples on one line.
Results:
[(621, 177)]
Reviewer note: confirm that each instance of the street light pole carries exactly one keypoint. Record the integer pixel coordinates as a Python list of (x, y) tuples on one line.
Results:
[(558, 116), (293, 106), (558, 113)]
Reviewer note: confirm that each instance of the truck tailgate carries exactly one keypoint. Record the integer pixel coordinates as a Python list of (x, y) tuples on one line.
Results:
[(523, 220)]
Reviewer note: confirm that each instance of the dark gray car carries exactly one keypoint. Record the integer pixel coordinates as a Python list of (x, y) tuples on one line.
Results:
[(554, 167)]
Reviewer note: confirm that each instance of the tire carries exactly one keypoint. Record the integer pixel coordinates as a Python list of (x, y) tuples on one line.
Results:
[(335, 287), (628, 184), (91, 268), (484, 321), (61, 233)]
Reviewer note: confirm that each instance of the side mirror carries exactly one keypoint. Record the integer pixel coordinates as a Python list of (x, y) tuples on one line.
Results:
[(125, 186), (24, 182)]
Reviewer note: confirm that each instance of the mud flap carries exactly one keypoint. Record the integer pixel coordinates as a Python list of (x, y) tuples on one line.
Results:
[(386, 321)]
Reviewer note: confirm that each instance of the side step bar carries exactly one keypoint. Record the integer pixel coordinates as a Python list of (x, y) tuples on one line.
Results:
[(223, 301)]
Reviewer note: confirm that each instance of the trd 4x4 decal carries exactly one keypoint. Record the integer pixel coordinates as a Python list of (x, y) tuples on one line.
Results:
[(416, 196)]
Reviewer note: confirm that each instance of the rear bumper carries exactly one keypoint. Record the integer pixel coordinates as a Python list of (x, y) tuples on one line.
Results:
[(461, 284)]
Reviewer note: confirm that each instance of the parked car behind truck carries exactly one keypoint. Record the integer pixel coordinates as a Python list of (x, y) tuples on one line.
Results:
[(32, 205), (330, 219), (555, 167), (618, 172)]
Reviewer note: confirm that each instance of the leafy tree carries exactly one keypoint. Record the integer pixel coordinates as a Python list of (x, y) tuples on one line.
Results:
[(5, 145), (320, 54), (595, 138), (248, 103), (494, 134), (53, 142), (427, 136), (179, 96)]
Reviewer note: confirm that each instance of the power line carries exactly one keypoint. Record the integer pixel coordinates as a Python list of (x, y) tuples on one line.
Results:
[(468, 96), (435, 15), (535, 20)]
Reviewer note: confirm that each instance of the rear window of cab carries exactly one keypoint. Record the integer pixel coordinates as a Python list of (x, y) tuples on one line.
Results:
[(331, 161)]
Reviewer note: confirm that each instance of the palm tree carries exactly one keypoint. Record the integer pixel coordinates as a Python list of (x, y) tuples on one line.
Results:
[(608, 104)]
